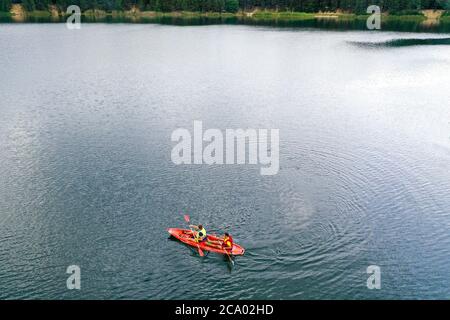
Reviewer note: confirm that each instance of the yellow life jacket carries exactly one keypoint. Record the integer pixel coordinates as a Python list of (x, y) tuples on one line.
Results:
[(227, 242), (200, 235)]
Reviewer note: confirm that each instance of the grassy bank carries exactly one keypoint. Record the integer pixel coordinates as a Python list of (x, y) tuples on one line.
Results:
[(446, 17), (273, 15), (299, 16), (39, 14), (129, 14)]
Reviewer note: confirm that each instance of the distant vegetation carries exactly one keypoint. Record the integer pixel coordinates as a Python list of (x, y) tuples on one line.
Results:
[(396, 7), (5, 5)]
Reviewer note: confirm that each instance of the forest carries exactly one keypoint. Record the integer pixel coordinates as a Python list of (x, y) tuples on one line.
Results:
[(352, 6)]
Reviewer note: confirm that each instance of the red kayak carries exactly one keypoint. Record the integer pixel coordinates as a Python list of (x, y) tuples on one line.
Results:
[(185, 236)]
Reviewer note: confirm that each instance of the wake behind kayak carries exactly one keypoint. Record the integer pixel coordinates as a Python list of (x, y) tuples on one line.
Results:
[(185, 236)]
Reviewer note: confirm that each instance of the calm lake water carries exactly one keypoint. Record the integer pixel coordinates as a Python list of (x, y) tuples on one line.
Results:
[(86, 176)]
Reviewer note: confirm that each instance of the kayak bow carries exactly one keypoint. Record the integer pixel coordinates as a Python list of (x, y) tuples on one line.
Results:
[(185, 236)]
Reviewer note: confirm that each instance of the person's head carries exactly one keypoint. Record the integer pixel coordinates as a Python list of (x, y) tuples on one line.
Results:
[(227, 234), (200, 226)]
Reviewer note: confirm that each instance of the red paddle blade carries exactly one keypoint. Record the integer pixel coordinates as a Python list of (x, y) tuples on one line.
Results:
[(200, 252), (186, 218)]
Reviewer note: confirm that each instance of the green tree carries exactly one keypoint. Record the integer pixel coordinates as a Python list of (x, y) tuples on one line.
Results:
[(29, 5), (357, 6), (140, 4), (118, 5), (445, 4), (41, 5), (5, 5), (231, 6)]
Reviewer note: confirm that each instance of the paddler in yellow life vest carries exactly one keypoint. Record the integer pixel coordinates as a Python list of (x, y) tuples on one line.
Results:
[(200, 233), (226, 243)]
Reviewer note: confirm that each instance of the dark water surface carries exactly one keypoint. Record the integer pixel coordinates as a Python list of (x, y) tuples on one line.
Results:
[(393, 23), (86, 176)]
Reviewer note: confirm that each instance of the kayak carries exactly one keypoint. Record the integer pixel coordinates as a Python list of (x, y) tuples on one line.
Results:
[(185, 236)]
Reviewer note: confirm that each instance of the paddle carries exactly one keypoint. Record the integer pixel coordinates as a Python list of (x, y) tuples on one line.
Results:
[(187, 219), (229, 257)]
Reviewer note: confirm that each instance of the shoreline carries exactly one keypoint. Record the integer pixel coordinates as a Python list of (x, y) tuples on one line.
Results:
[(423, 21), (18, 13)]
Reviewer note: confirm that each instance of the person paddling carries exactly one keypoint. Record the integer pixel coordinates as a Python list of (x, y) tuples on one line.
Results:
[(200, 233), (226, 243)]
